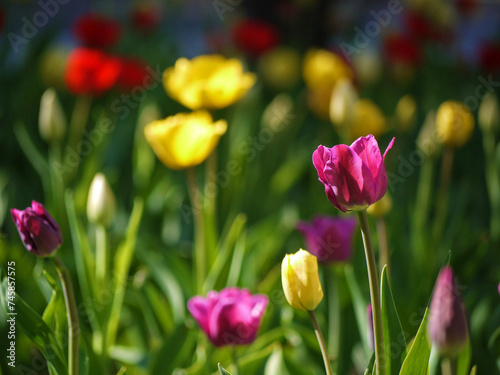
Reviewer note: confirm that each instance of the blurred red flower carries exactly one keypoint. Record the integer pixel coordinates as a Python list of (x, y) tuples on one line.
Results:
[(146, 17), (94, 30), (2, 19), (399, 48), (489, 57), (91, 72), (132, 74), (255, 37), (421, 28)]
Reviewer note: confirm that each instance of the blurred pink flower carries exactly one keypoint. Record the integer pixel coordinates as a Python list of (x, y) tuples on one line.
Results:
[(329, 238), (354, 176), (229, 317), (38, 230)]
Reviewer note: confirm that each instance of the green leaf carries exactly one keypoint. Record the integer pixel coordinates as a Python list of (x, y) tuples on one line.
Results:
[(177, 349), (417, 360), (54, 314), (276, 363), (222, 370), (359, 305), (464, 359), (37, 331), (394, 338), (474, 370), (371, 365)]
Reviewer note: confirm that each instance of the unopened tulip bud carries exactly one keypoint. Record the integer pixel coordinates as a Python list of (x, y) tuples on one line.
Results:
[(489, 114), (381, 207), (406, 111), (299, 275), (101, 201), (447, 326), (454, 123), (39, 232), (51, 120), (342, 101), (280, 67)]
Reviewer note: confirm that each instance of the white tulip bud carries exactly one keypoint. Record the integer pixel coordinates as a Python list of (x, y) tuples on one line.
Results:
[(489, 114), (101, 201), (51, 120), (342, 101)]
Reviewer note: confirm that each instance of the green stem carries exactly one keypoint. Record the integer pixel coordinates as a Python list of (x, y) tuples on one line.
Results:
[(321, 342), (73, 324), (211, 206), (492, 184), (200, 256), (449, 366), (234, 357), (383, 246), (78, 122), (374, 292), (101, 264), (442, 199), (334, 313)]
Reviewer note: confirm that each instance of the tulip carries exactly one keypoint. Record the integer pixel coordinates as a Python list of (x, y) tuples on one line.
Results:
[(184, 140), (367, 118), (38, 230), (230, 317), (406, 111), (354, 176), (489, 114), (133, 74), (447, 326), (454, 123), (299, 275), (280, 68), (51, 119), (344, 97), (329, 238), (146, 16), (91, 72), (255, 37), (101, 201), (207, 82), (94, 30), (323, 69)]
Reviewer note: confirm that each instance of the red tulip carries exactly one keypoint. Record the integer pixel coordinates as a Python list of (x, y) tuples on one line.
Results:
[(255, 37), (91, 72), (447, 326), (329, 238), (354, 176), (489, 57), (38, 230), (401, 49), (231, 317), (132, 74), (146, 17), (94, 30)]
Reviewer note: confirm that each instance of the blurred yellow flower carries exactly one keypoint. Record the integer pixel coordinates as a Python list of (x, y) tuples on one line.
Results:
[(280, 68), (207, 82), (380, 208), (406, 111), (489, 114), (367, 119), (53, 65), (299, 275), (344, 97), (322, 69), (454, 123), (186, 139)]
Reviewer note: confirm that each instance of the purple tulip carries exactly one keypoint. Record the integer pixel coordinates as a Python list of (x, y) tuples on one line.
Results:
[(38, 230), (230, 317), (329, 238), (354, 176), (447, 327)]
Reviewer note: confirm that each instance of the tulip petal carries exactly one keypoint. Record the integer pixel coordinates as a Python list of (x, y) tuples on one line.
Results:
[(200, 308)]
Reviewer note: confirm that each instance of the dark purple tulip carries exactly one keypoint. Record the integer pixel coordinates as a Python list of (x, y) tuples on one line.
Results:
[(230, 317), (354, 176), (447, 326), (329, 238), (38, 230)]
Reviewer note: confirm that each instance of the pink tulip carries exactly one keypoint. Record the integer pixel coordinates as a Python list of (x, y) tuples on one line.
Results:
[(354, 176), (38, 230), (231, 317), (447, 326), (329, 238)]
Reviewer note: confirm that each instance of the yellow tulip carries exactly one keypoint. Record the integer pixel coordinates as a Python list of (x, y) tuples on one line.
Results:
[(381, 207), (322, 69), (344, 97), (280, 67), (406, 112), (367, 119), (454, 123), (186, 139), (207, 82), (299, 275)]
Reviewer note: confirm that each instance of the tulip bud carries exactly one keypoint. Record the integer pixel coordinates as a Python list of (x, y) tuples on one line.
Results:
[(447, 326), (368, 118), (342, 101), (51, 120), (101, 201), (454, 123), (280, 68), (426, 140), (299, 275), (381, 207), (489, 114), (406, 111), (39, 232)]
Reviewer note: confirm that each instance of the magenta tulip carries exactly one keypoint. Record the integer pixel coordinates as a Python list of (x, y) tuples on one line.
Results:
[(354, 176), (230, 317), (447, 326), (329, 238), (38, 230)]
